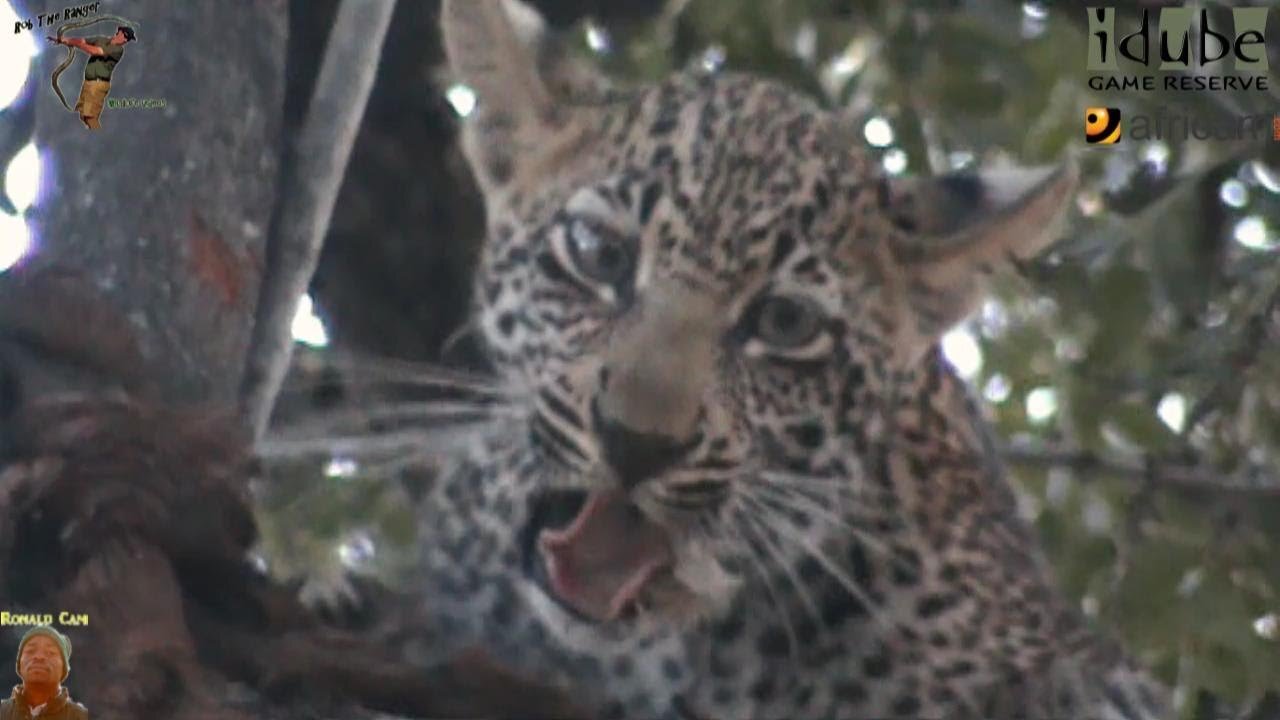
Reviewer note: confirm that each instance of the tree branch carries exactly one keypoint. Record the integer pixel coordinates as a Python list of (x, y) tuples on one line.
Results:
[(313, 175), (1252, 480), (1260, 330)]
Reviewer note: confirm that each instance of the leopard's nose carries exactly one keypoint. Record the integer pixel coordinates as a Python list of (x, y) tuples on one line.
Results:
[(638, 456)]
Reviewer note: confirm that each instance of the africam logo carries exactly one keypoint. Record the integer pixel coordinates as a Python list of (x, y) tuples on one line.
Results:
[(1186, 39), (1101, 125)]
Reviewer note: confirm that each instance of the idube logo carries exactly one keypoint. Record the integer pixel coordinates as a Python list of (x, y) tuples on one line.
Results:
[(1191, 52)]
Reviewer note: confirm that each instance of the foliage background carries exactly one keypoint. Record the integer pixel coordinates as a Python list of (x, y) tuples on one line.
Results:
[(1133, 372)]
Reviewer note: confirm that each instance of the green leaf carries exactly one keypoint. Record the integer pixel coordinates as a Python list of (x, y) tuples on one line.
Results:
[(1122, 296)]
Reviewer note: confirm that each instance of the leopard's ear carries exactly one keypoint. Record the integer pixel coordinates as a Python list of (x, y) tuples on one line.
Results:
[(959, 229), (526, 119)]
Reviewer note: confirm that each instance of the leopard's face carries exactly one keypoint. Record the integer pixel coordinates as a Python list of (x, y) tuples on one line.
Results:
[(694, 337), (705, 292)]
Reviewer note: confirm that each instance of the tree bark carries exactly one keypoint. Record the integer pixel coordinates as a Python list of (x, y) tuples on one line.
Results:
[(165, 211), (138, 297), (124, 465)]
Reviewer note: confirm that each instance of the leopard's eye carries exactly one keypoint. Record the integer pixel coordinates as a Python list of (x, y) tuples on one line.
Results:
[(788, 326), (601, 254), (788, 322)]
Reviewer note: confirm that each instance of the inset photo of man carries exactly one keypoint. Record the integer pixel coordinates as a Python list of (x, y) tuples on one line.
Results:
[(44, 661)]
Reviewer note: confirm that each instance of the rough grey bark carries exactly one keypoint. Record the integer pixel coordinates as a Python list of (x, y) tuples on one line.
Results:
[(167, 210), (124, 467)]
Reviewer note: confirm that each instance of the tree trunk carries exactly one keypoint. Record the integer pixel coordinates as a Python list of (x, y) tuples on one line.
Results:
[(150, 237), (165, 211), (124, 458)]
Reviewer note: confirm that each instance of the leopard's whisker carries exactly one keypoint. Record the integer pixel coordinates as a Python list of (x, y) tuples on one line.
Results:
[(739, 530), (840, 494), (787, 531), (392, 386), (430, 413), (786, 495), (358, 367), (348, 446), (849, 498), (438, 455), (775, 551), (687, 502), (358, 445), (866, 539), (841, 487)]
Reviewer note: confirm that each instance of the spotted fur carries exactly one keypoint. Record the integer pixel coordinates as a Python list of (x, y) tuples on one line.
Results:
[(762, 377)]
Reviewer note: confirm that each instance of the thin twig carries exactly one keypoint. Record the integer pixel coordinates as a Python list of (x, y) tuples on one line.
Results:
[(315, 168), (1252, 480), (1259, 331)]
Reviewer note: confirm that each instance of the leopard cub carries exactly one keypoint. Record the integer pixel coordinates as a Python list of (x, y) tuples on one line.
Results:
[(739, 480)]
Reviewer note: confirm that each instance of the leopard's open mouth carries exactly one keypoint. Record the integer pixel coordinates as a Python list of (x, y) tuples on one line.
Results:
[(594, 553)]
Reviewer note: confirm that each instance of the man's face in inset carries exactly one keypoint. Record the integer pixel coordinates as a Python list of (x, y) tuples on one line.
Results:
[(40, 662), (119, 38)]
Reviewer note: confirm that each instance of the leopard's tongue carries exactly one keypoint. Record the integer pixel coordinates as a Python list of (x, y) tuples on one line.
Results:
[(600, 562)]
